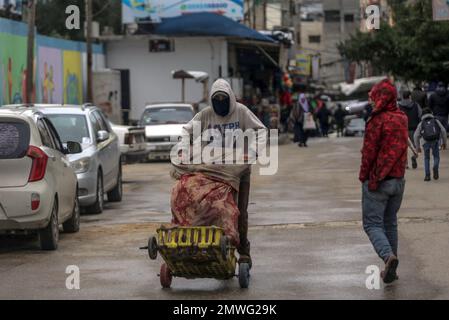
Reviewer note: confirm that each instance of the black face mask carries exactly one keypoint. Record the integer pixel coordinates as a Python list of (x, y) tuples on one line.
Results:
[(222, 106)]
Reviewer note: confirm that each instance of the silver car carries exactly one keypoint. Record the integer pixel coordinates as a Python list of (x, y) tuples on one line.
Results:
[(38, 187), (98, 167)]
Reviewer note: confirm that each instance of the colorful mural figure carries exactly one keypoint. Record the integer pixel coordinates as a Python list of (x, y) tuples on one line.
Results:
[(50, 75), (73, 86)]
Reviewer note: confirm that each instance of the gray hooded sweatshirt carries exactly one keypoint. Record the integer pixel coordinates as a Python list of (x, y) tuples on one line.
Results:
[(239, 117)]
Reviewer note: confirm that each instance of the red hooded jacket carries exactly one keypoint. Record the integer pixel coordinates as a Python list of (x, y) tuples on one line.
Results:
[(384, 153)]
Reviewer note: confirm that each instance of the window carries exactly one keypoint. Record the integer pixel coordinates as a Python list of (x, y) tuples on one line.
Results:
[(70, 127), (332, 15), (45, 135), (54, 135), (349, 18), (167, 115), (314, 39), (14, 139), (95, 124), (102, 121)]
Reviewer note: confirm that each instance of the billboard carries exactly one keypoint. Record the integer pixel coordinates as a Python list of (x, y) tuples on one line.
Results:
[(440, 10), (14, 5), (140, 10)]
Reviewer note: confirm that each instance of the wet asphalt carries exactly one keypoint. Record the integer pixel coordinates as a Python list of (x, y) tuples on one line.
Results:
[(307, 239)]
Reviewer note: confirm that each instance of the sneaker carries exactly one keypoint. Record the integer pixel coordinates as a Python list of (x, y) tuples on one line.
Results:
[(391, 266), (427, 179), (414, 163), (436, 174)]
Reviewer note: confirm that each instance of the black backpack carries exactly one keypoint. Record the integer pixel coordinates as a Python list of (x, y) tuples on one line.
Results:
[(430, 130)]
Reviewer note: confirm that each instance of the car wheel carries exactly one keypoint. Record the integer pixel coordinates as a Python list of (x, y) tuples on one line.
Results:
[(73, 224), (49, 236), (97, 207), (115, 195)]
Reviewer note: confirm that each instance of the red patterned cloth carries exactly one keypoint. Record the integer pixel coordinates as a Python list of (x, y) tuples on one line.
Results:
[(384, 151), (200, 200)]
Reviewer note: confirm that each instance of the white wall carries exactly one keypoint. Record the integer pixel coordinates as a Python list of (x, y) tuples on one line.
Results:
[(151, 79)]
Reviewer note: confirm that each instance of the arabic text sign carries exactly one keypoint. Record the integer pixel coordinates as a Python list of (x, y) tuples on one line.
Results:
[(440, 10), (135, 10)]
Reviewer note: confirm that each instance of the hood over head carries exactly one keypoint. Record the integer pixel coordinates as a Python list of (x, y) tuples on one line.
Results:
[(222, 85), (384, 96), (303, 102)]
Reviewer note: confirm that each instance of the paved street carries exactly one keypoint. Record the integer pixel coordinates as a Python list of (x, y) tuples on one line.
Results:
[(305, 230)]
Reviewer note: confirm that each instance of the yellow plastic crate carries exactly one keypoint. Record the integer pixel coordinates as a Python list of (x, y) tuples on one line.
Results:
[(195, 252)]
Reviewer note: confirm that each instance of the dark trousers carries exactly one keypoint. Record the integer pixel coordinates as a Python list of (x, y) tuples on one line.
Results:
[(324, 128), (434, 147), (245, 185)]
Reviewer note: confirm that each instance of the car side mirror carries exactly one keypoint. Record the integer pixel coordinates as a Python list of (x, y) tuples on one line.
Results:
[(74, 148), (102, 136)]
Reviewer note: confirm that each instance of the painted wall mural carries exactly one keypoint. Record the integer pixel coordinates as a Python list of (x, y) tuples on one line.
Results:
[(73, 86), (50, 84), (12, 68), (58, 67)]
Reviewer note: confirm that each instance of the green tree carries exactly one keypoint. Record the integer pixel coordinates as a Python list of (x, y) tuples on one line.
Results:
[(51, 17), (415, 48)]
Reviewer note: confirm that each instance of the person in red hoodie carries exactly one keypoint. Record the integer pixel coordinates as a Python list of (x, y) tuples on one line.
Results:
[(384, 160)]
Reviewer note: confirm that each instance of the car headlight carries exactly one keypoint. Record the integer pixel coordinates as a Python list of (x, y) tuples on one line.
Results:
[(81, 166)]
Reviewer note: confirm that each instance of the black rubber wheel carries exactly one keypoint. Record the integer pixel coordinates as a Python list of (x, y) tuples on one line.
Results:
[(49, 236), (152, 248), (224, 244), (244, 275), (116, 194), (97, 207), (73, 224), (166, 277)]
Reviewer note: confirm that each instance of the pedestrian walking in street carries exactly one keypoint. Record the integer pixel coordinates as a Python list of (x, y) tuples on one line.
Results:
[(432, 131), (439, 104), (384, 158), (300, 120), (339, 117), (419, 96), (413, 112), (323, 116)]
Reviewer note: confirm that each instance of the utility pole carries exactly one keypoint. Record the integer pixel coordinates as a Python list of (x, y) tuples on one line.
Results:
[(30, 51), (90, 93), (342, 20)]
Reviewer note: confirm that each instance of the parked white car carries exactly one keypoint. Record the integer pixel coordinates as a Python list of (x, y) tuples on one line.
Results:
[(132, 143), (163, 126), (38, 187)]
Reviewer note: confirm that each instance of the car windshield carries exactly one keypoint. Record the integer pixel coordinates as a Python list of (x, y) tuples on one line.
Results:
[(167, 115), (71, 127)]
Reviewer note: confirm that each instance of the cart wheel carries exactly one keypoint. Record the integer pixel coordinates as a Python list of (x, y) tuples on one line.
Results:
[(244, 275), (166, 277), (224, 244), (152, 248)]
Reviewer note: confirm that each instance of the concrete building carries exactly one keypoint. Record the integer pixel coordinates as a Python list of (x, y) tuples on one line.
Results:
[(203, 42), (341, 19)]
